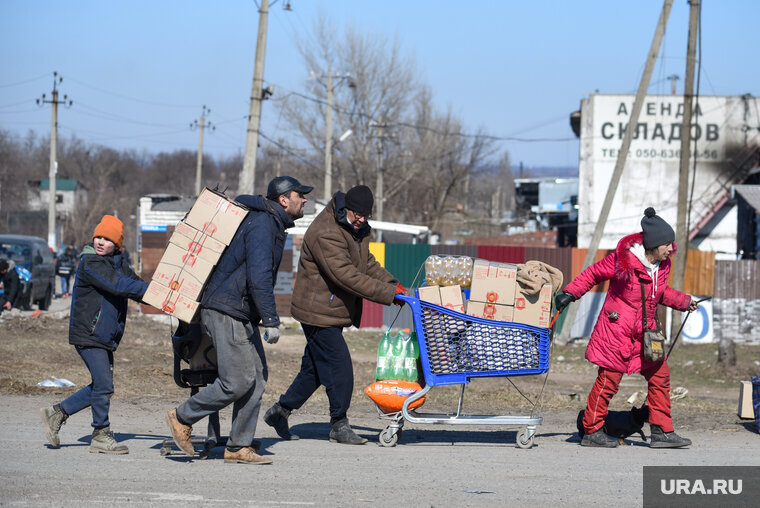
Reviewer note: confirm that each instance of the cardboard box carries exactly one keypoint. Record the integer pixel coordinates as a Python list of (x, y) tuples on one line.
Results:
[(216, 215), (430, 294), (490, 311), (182, 271), (493, 282), (745, 400), (196, 243), (171, 302), (534, 310), (451, 298)]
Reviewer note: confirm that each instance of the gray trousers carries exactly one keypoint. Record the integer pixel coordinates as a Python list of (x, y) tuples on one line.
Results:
[(242, 377)]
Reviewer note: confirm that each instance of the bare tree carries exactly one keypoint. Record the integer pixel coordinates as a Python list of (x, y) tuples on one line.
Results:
[(426, 155)]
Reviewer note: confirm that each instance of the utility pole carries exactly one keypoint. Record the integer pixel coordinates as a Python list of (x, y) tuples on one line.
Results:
[(673, 78), (199, 164), (54, 102), (328, 139), (572, 309), (380, 126), (247, 180), (682, 230)]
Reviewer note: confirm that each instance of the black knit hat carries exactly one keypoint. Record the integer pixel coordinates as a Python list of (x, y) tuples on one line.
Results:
[(359, 199), (655, 230)]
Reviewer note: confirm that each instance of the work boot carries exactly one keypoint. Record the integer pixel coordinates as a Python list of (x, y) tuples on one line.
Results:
[(181, 433), (599, 439), (245, 455), (277, 417), (53, 419), (660, 439), (341, 432), (104, 442)]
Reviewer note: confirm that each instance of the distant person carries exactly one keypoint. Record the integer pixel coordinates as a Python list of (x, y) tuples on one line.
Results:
[(102, 286), (64, 268), (239, 296), (11, 285), (638, 273), (335, 273)]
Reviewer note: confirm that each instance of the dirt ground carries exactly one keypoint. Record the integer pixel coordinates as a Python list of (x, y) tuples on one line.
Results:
[(33, 349)]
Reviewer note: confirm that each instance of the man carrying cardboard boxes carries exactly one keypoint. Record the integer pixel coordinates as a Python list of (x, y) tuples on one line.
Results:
[(239, 295)]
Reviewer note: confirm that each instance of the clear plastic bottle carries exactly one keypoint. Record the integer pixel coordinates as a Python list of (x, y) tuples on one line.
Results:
[(432, 270), (398, 356), (411, 357), (383, 357)]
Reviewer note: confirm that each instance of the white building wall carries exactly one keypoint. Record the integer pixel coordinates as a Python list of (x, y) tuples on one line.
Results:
[(650, 177)]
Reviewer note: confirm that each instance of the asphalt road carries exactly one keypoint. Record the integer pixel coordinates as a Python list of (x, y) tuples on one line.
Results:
[(433, 465)]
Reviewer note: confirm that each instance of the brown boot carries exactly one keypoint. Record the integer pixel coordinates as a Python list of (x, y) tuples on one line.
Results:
[(181, 433), (245, 455)]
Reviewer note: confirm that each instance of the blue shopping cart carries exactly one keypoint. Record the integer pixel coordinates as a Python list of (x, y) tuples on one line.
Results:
[(455, 348)]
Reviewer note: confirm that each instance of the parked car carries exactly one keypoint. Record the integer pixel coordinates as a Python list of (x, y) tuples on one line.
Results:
[(33, 254)]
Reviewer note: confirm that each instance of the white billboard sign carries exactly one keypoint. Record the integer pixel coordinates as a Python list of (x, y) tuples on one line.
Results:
[(721, 126)]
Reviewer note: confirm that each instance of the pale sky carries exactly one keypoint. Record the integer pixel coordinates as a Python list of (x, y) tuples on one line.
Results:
[(139, 71)]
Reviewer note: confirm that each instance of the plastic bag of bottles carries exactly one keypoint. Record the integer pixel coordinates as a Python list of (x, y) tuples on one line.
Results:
[(448, 270), (397, 357)]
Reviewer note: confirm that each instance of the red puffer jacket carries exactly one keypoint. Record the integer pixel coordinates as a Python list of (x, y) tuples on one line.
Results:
[(616, 343)]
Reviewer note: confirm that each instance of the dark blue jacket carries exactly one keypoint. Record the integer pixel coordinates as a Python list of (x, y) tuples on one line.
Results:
[(242, 283), (99, 304)]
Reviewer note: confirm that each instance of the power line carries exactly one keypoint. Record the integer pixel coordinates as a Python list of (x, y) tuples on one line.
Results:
[(30, 80), (431, 129), (151, 103)]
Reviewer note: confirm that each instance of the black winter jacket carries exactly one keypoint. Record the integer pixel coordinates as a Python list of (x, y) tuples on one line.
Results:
[(11, 286), (242, 283), (99, 304)]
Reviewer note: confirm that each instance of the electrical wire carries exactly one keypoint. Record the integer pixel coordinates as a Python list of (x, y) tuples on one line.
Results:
[(7, 85), (142, 101), (436, 131)]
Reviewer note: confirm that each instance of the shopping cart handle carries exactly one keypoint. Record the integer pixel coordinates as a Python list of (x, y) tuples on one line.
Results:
[(405, 298)]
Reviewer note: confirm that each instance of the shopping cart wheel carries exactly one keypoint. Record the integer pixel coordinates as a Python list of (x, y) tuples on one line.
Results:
[(524, 440), (388, 437)]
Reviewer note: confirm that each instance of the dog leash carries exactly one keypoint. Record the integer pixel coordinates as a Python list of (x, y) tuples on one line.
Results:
[(682, 325)]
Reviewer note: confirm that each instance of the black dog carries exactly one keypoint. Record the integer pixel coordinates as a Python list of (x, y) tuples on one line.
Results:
[(621, 424)]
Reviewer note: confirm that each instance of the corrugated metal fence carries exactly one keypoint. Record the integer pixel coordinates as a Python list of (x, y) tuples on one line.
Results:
[(736, 303)]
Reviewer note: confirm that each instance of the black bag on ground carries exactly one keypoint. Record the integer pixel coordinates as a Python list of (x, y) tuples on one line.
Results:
[(621, 424)]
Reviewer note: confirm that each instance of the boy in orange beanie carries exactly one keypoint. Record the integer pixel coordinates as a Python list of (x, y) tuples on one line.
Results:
[(102, 285)]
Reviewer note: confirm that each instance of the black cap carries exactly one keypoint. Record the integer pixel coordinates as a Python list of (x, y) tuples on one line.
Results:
[(284, 184), (359, 199), (655, 230)]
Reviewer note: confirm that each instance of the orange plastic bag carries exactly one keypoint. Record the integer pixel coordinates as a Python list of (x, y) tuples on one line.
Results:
[(391, 394)]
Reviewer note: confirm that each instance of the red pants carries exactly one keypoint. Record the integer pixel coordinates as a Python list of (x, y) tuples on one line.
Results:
[(606, 385)]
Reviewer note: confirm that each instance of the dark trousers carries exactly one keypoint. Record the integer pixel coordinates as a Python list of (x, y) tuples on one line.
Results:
[(326, 361), (607, 384), (96, 395)]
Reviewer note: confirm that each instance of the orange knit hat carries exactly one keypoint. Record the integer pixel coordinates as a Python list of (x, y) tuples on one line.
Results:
[(111, 228)]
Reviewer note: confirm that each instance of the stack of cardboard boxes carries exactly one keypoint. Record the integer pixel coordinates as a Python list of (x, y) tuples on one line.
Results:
[(193, 250), (495, 294), (492, 295)]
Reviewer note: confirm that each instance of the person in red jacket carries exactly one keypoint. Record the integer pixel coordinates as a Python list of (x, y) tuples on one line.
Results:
[(616, 342)]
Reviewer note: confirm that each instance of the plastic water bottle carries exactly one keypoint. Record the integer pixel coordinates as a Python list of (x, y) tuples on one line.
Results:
[(383, 357), (414, 355), (398, 356), (409, 367)]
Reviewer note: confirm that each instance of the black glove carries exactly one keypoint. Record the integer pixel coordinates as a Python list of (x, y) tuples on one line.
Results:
[(562, 300)]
